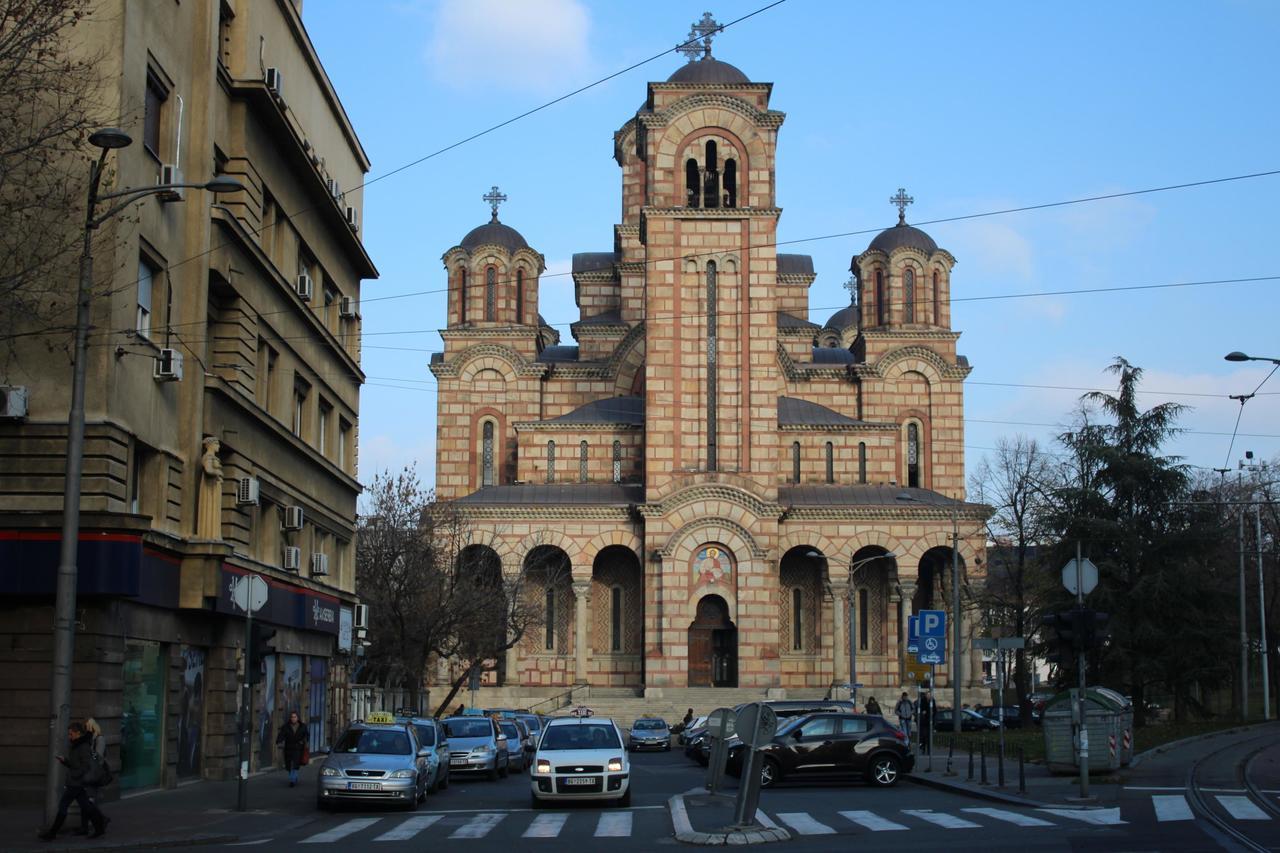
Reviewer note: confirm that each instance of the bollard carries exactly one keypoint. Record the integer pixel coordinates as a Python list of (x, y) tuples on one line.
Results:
[(1022, 774), (951, 749), (983, 752), (970, 761), (1000, 767)]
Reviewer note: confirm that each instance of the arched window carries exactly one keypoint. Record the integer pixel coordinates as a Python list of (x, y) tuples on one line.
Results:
[(831, 462), (519, 296), (490, 294), (730, 183), (937, 313), (462, 296), (864, 614), (615, 619), (909, 296), (617, 462), (879, 298), (550, 642), (692, 182), (862, 462), (711, 178), (913, 455), (486, 455), (551, 461), (712, 386), (582, 462), (795, 461), (797, 619)]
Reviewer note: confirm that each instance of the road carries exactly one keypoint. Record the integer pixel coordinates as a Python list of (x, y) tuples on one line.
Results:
[(1231, 788)]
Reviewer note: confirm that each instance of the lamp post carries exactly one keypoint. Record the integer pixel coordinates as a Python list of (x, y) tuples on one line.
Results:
[(105, 140), (853, 623), (956, 658)]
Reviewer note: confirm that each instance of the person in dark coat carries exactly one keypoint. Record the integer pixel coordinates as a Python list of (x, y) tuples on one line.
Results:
[(926, 710), (78, 762), (293, 739), (873, 707)]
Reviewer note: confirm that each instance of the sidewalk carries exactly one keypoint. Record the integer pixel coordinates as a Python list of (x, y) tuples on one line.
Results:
[(191, 814)]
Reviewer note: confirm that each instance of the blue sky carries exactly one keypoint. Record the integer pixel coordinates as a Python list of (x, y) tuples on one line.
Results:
[(971, 107)]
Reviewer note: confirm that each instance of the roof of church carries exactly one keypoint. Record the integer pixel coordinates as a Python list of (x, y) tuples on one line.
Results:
[(795, 264), (594, 261), (494, 233), (609, 410), (792, 411), (612, 317), (791, 321), (708, 69), (844, 318), (558, 353), (558, 494), (877, 495), (902, 235), (832, 355)]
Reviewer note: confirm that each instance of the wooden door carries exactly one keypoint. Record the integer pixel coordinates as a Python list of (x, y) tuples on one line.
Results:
[(699, 657)]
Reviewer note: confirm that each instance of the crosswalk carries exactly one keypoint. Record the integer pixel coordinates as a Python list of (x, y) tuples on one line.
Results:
[(474, 826)]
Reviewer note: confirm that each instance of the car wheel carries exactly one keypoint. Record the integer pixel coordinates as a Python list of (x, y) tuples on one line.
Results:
[(885, 770), (444, 782), (536, 803), (770, 773), (625, 800), (435, 782), (322, 804)]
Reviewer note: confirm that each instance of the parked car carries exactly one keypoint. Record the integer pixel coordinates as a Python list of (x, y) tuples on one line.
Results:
[(784, 709), (580, 759), (375, 762), (431, 736), (696, 724), (1012, 715), (649, 733), (477, 745), (534, 722), (517, 740), (970, 721), (831, 745)]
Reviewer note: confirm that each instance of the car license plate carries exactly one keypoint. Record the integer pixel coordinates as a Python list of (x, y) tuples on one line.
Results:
[(581, 780), (459, 762), (364, 786)]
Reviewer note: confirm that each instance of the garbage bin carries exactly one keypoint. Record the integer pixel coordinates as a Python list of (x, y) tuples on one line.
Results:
[(1109, 717)]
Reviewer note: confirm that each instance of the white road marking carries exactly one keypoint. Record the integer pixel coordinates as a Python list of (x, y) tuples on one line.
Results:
[(253, 843), (802, 823), (1172, 807), (872, 821), (946, 821), (546, 826), (342, 830), (409, 828), (1016, 818), (614, 825), (1097, 817), (479, 826), (765, 820), (1243, 808), (1155, 788)]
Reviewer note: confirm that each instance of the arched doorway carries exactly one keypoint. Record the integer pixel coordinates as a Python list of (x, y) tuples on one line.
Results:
[(713, 645)]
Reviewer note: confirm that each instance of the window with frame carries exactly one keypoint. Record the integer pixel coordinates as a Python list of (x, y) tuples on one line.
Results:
[(582, 462), (490, 294), (549, 642), (831, 462), (615, 613), (797, 619), (795, 462), (551, 461), (322, 427), (298, 422), (913, 455), (617, 462), (344, 443), (486, 454), (462, 296), (152, 111), (519, 296), (862, 462), (880, 312), (937, 316), (909, 296), (146, 288), (139, 469)]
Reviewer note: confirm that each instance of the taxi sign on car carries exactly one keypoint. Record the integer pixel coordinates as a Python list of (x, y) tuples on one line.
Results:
[(381, 717)]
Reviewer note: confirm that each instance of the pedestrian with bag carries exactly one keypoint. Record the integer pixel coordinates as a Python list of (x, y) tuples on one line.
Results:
[(905, 711), (926, 713), (873, 707), (84, 769), (293, 738), (99, 746)]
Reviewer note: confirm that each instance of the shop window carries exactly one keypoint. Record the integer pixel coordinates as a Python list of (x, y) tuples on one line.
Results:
[(142, 714), (191, 712)]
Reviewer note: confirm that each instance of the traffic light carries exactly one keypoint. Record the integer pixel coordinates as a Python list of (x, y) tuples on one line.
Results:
[(1060, 636), (1096, 629), (260, 637)]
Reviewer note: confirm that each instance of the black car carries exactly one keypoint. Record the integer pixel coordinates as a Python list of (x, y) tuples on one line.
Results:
[(698, 746), (970, 721), (831, 745), (1012, 715)]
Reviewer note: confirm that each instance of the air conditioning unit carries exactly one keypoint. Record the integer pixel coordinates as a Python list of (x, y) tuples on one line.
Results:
[(292, 558), (361, 621), (353, 217), (348, 307), (319, 565), (332, 186), (293, 516), (247, 491), (13, 401), (171, 174), (168, 365), (275, 83), (305, 287)]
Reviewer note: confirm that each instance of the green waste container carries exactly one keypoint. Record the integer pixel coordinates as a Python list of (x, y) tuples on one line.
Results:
[(1109, 718)]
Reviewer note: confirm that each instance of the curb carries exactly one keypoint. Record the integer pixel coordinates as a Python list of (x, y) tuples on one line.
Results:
[(984, 793), (684, 830), (147, 843), (1187, 741)]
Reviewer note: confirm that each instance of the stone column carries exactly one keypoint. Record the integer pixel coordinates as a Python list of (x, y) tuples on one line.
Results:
[(908, 610), (839, 639), (582, 598)]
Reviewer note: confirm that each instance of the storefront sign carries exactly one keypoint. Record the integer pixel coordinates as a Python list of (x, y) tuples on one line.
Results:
[(344, 629), (286, 605)]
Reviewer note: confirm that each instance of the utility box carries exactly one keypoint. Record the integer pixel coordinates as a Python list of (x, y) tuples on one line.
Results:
[(1109, 717)]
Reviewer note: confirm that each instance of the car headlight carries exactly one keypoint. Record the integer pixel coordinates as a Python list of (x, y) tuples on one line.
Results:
[(330, 771), (543, 766), (483, 750), (403, 774), (615, 764)]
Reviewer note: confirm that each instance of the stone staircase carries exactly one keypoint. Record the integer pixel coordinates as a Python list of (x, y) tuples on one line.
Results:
[(671, 703)]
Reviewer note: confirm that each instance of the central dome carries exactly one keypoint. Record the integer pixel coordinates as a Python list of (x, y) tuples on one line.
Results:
[(708, 70), (901, 235), (494, 233)]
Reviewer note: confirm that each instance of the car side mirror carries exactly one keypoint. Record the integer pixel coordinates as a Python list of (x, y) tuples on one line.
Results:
[(795, 735), (424, 752)]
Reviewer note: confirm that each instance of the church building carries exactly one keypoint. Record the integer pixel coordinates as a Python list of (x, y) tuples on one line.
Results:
[(710, 488)]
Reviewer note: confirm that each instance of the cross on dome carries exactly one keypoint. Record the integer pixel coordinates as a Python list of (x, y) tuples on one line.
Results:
[(852, 286), (703, 30), (494, 198), (901, 200), (691, 46)]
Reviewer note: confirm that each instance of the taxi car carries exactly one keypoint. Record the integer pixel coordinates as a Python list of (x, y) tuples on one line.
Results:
[(580, 759), (377, 760), (431, 736), (477, 744)]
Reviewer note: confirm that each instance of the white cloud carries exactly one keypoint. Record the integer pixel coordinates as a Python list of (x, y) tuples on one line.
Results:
[(531, 45), (994, 249)]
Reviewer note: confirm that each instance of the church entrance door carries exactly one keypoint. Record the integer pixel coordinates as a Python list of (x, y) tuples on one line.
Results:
[(713, 645)]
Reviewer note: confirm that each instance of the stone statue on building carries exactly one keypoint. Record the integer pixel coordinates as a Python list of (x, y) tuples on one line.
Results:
[(209, 519)]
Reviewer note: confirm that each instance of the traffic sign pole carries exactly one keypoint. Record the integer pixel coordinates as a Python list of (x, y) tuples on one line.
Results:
[(1084, 718), (246, 706)]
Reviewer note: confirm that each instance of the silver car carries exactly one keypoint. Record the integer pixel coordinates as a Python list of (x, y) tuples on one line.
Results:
[(375, 762), (476, 744), (649, 733), (517, 741)]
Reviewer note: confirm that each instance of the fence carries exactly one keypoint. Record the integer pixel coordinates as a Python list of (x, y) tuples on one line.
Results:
[(366, 698)]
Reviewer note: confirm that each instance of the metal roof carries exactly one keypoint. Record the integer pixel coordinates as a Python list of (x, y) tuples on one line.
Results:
[(558, 354), (901, 235), (494, 233), (708, 69), (862, 495), (609, 410), (791, 321), (795, 264), (792, 411), (594, 261)]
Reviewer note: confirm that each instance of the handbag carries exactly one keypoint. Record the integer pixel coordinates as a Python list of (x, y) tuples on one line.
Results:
[(306, 755), (98, 773)]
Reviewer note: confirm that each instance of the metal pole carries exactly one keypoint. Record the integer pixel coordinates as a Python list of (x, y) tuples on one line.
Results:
[(246, 704), (956, 672), (1262, 619), (1000, 707), (1244, 629), (1022, 773), (1084, 713), (853, 647), (64, 618)]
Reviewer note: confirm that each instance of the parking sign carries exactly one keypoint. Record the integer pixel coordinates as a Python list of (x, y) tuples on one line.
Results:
[(933, 623)]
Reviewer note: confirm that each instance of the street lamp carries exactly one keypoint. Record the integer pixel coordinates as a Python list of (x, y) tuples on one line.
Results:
[(955, 607), (1239, 356), (106, 140), (853, 642)]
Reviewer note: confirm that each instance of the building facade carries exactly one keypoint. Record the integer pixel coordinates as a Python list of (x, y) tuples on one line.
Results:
[(709, 488), (222, 406)]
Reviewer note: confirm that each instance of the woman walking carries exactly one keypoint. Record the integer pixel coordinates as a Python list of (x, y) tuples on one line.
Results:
[(80, 770), (98, 743), (293, 738)]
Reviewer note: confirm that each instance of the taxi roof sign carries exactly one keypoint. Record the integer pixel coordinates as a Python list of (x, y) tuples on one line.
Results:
[(381, 717)]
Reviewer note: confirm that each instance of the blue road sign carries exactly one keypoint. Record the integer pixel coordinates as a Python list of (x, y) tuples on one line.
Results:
[(913, 634), (933, 623), (932, 650)]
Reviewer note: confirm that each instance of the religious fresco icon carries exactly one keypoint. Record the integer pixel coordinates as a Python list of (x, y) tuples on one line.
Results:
[(712, 565)]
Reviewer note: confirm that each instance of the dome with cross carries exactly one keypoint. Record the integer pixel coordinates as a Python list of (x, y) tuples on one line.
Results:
[(902, 235), (493, 232), (704, 68)]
